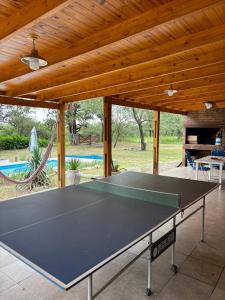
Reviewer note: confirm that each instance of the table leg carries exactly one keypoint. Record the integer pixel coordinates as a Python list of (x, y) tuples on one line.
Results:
[(220, 174), (148, 290), (173, 265), (196, 170), (90, 288), (203, 221)]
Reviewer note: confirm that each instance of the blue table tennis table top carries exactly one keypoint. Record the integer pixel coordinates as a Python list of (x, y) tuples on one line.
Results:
[(68, 233)]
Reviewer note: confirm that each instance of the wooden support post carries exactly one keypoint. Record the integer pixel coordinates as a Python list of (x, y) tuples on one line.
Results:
[(61, 145), (156, 122), (107, 136)]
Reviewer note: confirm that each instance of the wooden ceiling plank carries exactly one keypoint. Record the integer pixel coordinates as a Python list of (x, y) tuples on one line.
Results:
[(83, 70), (30, 103), (150, 19), (28, 16), (178, 99), (133, 74), (181, 87), (203, 74), (206, 90)]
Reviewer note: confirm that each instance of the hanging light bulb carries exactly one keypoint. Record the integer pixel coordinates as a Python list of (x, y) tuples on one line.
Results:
[(34, 60), (170, 92)]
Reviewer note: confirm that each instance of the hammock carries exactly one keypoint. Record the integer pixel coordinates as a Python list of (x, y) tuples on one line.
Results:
[(38, 170)]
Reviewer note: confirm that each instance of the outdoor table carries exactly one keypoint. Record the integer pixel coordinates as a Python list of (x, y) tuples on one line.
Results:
[(211, 161)]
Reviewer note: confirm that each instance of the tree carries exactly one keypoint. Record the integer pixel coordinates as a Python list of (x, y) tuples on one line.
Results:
[(140, 117), (77, 117), (120, 117)]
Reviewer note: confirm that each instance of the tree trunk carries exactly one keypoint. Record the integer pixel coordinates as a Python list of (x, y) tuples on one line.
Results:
[(139, 121), (117, 137), (143, 144)]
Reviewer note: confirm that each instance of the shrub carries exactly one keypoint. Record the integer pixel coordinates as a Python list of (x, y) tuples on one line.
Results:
[(18, 142)]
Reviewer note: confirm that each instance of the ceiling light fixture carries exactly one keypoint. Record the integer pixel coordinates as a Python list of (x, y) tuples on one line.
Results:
[(34, 60), (208, 105), (170, 92)]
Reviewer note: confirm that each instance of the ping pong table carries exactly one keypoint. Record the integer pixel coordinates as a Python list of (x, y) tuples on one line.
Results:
[(68, 234)]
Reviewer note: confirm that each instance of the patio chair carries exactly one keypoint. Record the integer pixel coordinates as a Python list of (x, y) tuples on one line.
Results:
[(217, 152), (191, 163)]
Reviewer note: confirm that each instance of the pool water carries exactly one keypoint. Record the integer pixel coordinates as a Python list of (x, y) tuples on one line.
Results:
[(23, 166)]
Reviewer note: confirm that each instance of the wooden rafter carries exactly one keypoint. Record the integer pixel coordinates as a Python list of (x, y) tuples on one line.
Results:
[(135, 73), (27, 17), (206, 75), (183, 95), (186, 87), (128, 103), (30, 103), (145, 21), (82, 70)]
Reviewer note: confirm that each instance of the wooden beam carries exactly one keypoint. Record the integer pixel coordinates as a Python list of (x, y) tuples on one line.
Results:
[(190, 101), (139, 72), (107, 137), (156, 124), (30, 103), (183, 88), (61, 145), (83, 70), (128, 103), (148, 20), (205, 75), (27, 17), (159, 99)]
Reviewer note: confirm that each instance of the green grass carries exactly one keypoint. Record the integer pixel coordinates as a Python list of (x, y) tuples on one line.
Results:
[(127, 155)]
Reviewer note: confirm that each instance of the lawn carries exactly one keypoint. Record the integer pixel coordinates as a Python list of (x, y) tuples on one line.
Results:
[(127, 155)]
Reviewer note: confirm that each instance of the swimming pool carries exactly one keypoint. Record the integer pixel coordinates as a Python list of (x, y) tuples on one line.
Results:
[(13, 168)]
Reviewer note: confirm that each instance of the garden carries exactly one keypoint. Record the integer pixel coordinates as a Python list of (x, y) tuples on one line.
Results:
[(131, 141)]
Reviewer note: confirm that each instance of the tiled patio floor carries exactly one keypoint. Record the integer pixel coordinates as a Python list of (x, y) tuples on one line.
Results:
[(201, 273)]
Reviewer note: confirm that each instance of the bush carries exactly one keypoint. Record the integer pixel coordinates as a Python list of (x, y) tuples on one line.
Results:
[(18, 142)]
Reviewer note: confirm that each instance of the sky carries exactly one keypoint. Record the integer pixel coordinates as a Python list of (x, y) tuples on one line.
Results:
[(40, 114)]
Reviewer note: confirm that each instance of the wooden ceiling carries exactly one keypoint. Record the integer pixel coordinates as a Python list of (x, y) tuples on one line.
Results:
[(129, 50)]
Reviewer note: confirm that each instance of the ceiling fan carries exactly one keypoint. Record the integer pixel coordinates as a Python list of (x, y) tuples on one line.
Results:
[(170, 92)]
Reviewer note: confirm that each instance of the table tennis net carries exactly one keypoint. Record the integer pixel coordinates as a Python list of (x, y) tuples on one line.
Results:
[(156, 197)]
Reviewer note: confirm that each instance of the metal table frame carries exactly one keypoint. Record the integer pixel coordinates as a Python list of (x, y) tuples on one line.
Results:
[(174, 268)]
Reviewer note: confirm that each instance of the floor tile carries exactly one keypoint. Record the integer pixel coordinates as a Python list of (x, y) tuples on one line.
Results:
[(17, 293), (221, 283), (182, 287), (5, 282), (40, 287), (201, 270), (17, 271), (6, 258), (218, 294), (211, 255)]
